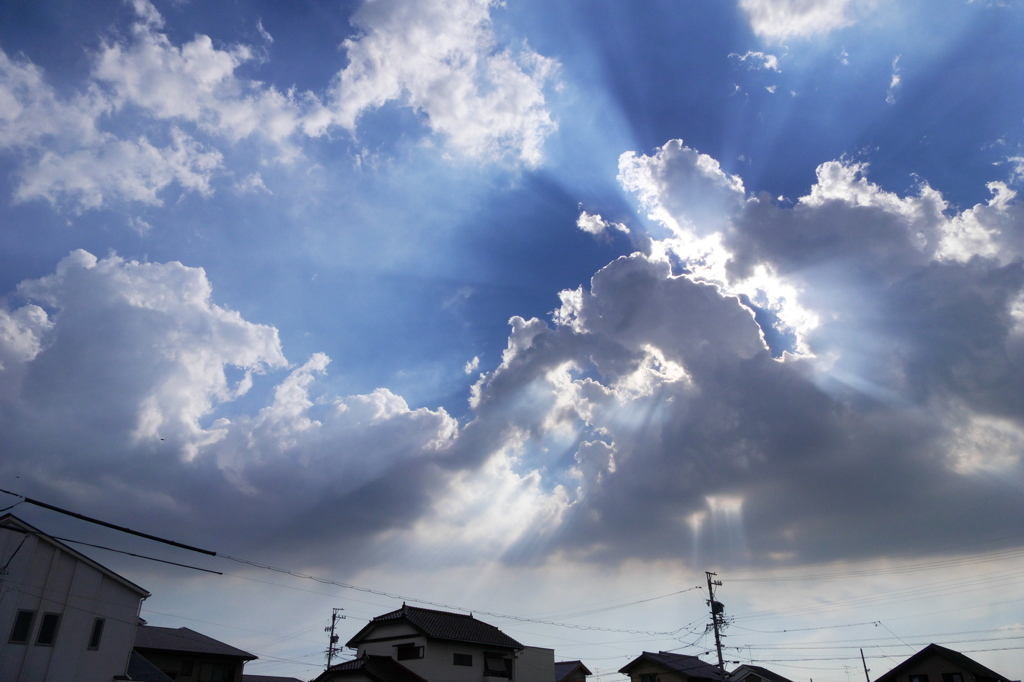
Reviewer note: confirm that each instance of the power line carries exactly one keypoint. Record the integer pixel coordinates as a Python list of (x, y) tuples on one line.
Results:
[(138, 556), (123, 529)]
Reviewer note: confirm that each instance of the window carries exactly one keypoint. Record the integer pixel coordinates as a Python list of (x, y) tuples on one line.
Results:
[(918, 678), (404, 652), (48, 629), (463, 659), (97, 633), (648, 677), (496, 665), (952, 677), (216, 672), (22, 627), (186, 668)]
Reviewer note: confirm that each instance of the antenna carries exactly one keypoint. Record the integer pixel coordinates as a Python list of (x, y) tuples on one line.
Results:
[(717, 619), (332, 640)]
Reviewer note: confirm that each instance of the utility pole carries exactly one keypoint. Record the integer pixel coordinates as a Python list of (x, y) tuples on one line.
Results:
[(332, 641), (717, 619), (868, 679)]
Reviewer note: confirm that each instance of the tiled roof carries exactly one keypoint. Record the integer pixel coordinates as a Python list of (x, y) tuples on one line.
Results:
[(963, 661), (377, 668), (456, 627), (763, 673), (565, 668), (691, 666), (183, 639), (141, 670)]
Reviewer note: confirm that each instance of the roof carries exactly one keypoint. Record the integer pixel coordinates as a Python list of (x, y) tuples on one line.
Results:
[(964, 662), (377, 668), (456, 627), (691, 666), (12, 522), (142, 670), (763, 673), (565, 668), (185, 640)]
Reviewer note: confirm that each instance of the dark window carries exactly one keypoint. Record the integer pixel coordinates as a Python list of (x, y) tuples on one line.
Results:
[(404, 652), (918, 678), (496, 665), (22, 627), (48, 629), (97, 633), (216, 672), (186, 668), (463, 659), (952, 677), (648, 677)]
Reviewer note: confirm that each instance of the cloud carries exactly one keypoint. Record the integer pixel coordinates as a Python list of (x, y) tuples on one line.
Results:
[(31, 111), (779, 20), (196, 82), (846, 381), (118, 380), (442, 60), (894, 81), (118, 170), (758, 60), (896, 424), (596, 225)]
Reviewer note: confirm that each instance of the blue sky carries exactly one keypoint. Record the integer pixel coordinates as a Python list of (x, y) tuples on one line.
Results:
[(532, 308)]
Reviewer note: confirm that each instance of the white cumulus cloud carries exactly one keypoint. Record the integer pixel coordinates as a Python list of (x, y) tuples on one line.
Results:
[(779, 20), (441, 58)]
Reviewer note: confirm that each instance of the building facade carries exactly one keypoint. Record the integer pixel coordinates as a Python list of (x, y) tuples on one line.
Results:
[(66, 618), (439, 646)]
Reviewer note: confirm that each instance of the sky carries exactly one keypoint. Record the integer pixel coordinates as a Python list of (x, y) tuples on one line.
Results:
[(537, 310)]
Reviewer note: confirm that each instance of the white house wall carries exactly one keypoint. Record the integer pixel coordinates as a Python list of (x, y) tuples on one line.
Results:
[(535, 664), (437, 665), (45, 579)]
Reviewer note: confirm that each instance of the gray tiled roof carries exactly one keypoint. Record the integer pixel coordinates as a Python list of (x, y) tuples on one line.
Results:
[(763, 673), (185, 640), (565, 668), (456, 627), (377, 668), (965, 662), (691, 666)]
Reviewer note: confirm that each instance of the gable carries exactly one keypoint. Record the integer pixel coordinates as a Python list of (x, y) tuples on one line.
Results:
[(12, 524), (936, 663), (456, 627)]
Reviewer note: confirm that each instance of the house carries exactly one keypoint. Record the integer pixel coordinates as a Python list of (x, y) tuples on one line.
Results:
[(424, 645), (665, 666), (755, 673), (185, 655), (571, 671), (936, 663), (66, 617), (369, 668)]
